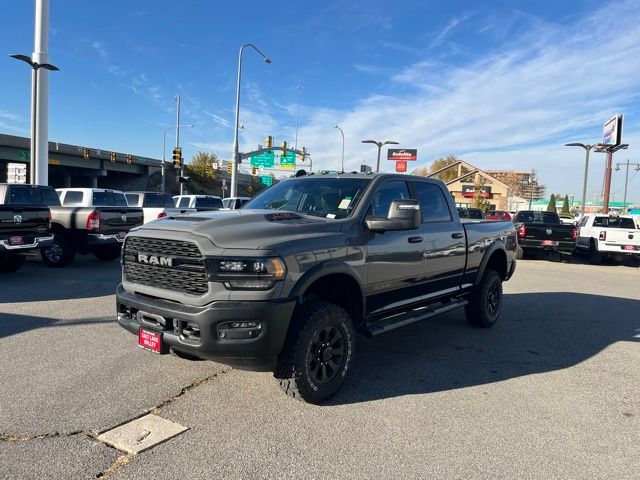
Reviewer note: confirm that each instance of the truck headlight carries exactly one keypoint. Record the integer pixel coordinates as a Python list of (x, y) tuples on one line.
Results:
[(246, 273)]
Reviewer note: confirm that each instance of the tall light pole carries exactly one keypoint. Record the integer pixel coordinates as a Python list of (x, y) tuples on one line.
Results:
[(380, 145), (342, 162), (626, 178), (298, 117), (164, 137), (587, 149), (531, 180), (34, 152), (236, 156)]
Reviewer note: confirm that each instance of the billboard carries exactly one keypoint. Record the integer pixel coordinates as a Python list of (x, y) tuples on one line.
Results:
[(469, 191), (396, 154), (401, 166), (612, 131)]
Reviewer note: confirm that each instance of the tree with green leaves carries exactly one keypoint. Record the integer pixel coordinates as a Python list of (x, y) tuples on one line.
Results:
[(566, 211), (202, 165), (443, 162), (479, 201), (552, 204)]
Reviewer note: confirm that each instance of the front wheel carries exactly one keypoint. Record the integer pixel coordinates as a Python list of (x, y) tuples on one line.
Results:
[(485, 303), (10, 263), (107, 253), (60, 253), (318, 352)]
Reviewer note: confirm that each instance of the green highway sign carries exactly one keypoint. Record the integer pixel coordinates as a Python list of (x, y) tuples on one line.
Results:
[(288, 160), (24, 156), (266, 180), (265, 159)]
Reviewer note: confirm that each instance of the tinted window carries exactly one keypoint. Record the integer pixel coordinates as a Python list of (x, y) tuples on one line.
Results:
[(538, 217), (386, 193), (49, 196), (473, 213), (24, 195), (109, 199), (157, 200), (241, 202), (226, 202), (132, 199), (183, 202), (208, 202), (321, 197), (614, 222), (432, 203), (72, 198)]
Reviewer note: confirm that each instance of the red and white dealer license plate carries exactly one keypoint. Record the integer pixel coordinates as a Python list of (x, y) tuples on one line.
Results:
[(150, 340), (550, 243)]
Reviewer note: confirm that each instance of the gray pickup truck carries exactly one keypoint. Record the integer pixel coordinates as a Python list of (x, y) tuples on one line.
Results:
[(284, 283), (99, 229), (24, 225)]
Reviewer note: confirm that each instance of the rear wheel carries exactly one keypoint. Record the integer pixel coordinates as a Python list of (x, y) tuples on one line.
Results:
[(519, 253), (10, 263), (60, 253), (107, 253), (594, 255), (318, 352), (485, 303)]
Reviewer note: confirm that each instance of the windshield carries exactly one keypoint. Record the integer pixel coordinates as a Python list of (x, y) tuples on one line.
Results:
[(538, 217), (614, 222), (320, 197)]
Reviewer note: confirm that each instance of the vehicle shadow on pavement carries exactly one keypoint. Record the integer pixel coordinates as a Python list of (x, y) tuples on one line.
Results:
[(538, 332), (15, 323)]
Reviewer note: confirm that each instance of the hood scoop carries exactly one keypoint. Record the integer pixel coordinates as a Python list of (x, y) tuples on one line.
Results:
[(278, 217)]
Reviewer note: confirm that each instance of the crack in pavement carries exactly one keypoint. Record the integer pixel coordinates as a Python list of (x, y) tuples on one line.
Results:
[(5, 437)]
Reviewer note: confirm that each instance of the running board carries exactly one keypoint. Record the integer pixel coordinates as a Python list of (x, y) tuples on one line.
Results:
[(397, 321)]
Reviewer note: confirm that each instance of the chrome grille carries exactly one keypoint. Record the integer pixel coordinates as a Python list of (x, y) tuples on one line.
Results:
[(188, 273)]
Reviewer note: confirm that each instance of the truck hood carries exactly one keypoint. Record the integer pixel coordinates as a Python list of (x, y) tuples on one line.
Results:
[(246, 229)]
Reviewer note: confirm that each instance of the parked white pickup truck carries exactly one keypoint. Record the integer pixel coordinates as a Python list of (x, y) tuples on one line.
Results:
[(202, 203), (155, 205), (608, 236)]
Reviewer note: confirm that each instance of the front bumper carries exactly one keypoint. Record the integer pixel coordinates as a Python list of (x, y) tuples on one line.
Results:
[(565, 248), (179, 324), (97, 239), (38, 242)]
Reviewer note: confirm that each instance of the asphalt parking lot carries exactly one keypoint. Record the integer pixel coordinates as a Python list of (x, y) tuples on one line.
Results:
[(552, 391)]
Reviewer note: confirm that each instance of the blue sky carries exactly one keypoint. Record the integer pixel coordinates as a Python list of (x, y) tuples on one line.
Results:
[(503, 84)]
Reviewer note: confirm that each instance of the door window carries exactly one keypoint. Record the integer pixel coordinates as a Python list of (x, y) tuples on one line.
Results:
[(386, 193), (433, 203)]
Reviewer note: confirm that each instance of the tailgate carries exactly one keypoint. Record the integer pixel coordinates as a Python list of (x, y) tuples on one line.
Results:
[(16, 219), (119, 219), (623, 238), (545, 231)]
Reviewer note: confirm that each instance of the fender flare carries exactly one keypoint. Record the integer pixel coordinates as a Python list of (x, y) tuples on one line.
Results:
[(498, 245), (322, 270)]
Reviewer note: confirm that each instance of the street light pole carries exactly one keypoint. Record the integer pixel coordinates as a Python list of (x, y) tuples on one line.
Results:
[(164, 136), (531, 189), (36, 177), (342, 162), (236, 155), (626, 178), (298, 117), (380, 145), (587, 149)]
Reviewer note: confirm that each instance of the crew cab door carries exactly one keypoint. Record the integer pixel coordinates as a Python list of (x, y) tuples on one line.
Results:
[(444, 240), (395, 266)]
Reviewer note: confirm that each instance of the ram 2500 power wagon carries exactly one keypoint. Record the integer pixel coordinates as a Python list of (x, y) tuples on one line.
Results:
[(284, 283), (25, 222)]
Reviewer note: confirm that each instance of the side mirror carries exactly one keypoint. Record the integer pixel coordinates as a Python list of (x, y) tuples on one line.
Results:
[(402, 215)]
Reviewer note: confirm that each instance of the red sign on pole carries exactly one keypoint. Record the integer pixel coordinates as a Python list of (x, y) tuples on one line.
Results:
[(401, 166)]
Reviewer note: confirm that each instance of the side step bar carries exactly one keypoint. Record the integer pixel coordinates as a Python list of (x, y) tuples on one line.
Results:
[(391, 323)]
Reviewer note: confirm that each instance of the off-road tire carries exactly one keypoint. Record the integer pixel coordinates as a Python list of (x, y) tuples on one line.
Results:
[(320, 337), (485, 303), (60, 254), (10, 263), (107, 253)]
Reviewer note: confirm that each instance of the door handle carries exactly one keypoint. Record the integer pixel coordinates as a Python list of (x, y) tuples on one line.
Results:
[(457, 235), (415, 239)]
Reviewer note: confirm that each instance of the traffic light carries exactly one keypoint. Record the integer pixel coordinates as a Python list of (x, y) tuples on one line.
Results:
[(177, 157), (113, 156), (269, 142), (129, 158), (253, 170), (86, 153), (284, 148), (209, 169), (304, 153), (229, 167)]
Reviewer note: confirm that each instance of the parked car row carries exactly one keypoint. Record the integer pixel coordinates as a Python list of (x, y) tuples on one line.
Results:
[(62, 223)]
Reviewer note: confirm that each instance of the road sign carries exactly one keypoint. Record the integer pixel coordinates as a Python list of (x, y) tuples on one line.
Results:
[(402, 154), (401, 166), (17, 173), (266, 180), (288, 160), (264, 159), (24, 156)]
